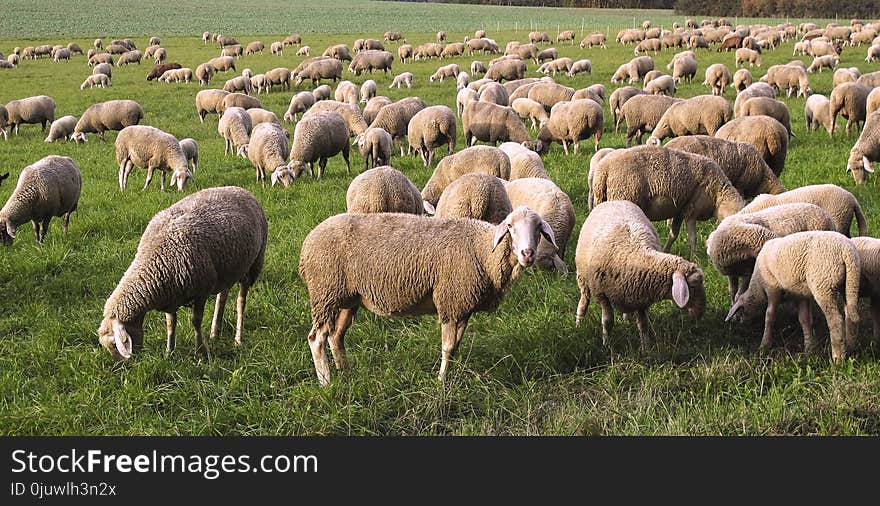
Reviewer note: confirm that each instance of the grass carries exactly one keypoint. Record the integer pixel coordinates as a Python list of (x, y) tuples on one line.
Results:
[(522, 370)]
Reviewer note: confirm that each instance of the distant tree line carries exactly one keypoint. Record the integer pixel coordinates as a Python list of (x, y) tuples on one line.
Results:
[(596, 4)]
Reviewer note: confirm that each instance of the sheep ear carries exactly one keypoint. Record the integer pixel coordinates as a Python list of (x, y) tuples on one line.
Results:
[(547, 232), (501, 230), (680, 292), (429, 208), (737, 306), (867, 164), (274, 177)]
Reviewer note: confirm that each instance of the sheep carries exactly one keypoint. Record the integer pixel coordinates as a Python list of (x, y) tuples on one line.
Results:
[(527, 108), (570, 122), (225, 40), (383, 190), (594, 39), (481, 267), (873, 101), (453, 49), (817, 111), (61, 54), (867, 248), (741, 163), (350, 113), (813, 265), (49, 187), (222, 63), (766, 134), (99, 44), (850, 101), (666, 184), (368, 91), (293, 38), (865, 150), (506, 70), (177, 75), (463, 98), (441, 36), (642, 113), (61, 128), (616, 101), (405, 52), (191, 151), (279, 76), (320, 69), (159, 70), (478, 67), (394, 118), (524, 163), (427, 51), (268, 150), (684, 68), (821, 62), (232, 51), (634, 70), (12, 60), (451, 70), (209, 101), (206, 242), (109, 115), (717, 77), (299, 103), (30, 111), (664, 85), (94, 80), (545, 198), (548, 54), (698, 42), (374, 105), (619, 263), (235, 127), (494, 93), (254, 47), (375, 146), (580, 66), (259, 115), (485, 159), (559, 65), (735, 244), (238, 100), (742, 79), (346, 91), (766, 106), (100, 58), (549, 94), (595, 92), (536, 37), (649, 44), (150, 148), (871, 79), (239, 84), (788, 77), (651, 75), (462, 80), (317, 137), (488, 122), (840, 204), (475, 195), (703, 114), (130, 57), (430, 128), (750, 56), (404, 79), (846, 75), (873, 53), (159, 56), (322, 92), (371, 60)]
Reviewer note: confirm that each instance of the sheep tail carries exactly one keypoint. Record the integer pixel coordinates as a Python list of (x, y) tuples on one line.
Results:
[(860, 219), (853, 280)]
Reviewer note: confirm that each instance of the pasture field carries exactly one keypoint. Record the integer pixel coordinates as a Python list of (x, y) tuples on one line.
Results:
[(524, 370)]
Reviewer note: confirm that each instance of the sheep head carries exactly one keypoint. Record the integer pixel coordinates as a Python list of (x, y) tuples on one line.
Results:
[(525, 228), (7, 231), (297, 167), (180, 177), (282, 175), (116, 337), (688, 291)]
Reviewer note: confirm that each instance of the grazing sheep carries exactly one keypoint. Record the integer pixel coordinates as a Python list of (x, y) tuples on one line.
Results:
[(817, 111), (494, 93), (684, 68), (617, 99), (741, 163), (206, 242), (664, 85), (404, 79), (394, 118), (703, 114), (209, 101), (464, 97), (873, 53), (822, 62), (99, 44), (652, 44), (750, 56), (255, 47), (238, 100), (299, 103), (159, 70), (869, 259), (30, 111), (787, 77), (239, 84), (580, 66), (61, 54), (383, 190), (865, 150), (233, 51), (766, 134), (292, 39), (47, 188), (259, 115), (484, 159), (453, 49), (478, 67), (368, 91), (527, 108), (559, 65), (666, 184), (549, 94), (475, 195), (316, 138), (849, 100), (806, 266), (742, 79), (506, 70), (545, 198), (177, 75), (524, 163), (222, 63), (441, 36), (766, 106), (61, 128), (99, 80), (322, 92), (320, 69), (619, 263), (717, 78), (375, 146), (846, 75), (548, 54), (268, 150), (428, 129), (350, 113), (489, 122), (235, 127), (191, 151), (434, 281), (594, 39), (100, 58), (130, 57), (735, 244), (840, 204), (160, 55), (634, 70), (367, 61), (445, 71), (346, 91), (462, 80), (570, 122), (150, 148), (642, 113)]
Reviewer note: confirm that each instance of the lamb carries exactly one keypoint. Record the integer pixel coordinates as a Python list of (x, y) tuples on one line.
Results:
[(350, 113), (206, 242), (488, 122), (383, 190), (462, 81), (766, 134), (268, 150), (545, 198), (191, 151), (445, 71), (703, 114), (371, 110), (717, 78), (806, 265), (375, 146), (766, 106), (817, 111), (158, 70), (822, 62), (478, 67), (30, 111), (742, 79), (664, 85), (371, 60), (299, 103), (569, 123), (61, 128), (94, 80), (840, 204), (316, 138), (109, 115), (150, 148), (849, 100), (394, 118), (485, 159), (665, 183), (527, 108), (619, 263), (617, 99), (320, 69), (865, 150), (404, 79), (209, 101), (235, 127), (238, 100), (429, 129), (642, 113), (322, 92), (635, 69), (594, 39), (368, 91), (49, 187), (735, 244), (524, 163), (476, 195), (741, 163)]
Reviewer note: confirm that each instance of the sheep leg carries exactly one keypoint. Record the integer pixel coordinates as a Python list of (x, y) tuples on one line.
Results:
[(171, 328), (121, 172), (644, 328), (692, 235), (828, 305), (674, 228), (337, 338), (198, 313), (317, 338), (607, 321), (875, 316), (217, 322), (732, 287), (805, 317), (451, 334), (37, 231), (163, 179), (240, 303), (128, 167), (773, 298), (66, 222), (149, 178), (565, 146)]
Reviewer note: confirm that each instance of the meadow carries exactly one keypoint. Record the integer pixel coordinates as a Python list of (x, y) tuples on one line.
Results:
[(525, 369)]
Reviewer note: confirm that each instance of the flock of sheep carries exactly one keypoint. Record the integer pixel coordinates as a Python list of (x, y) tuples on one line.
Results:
[(495, 209)]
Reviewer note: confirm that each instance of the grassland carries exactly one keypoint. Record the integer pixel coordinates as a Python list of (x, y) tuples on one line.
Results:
[(522, 370)]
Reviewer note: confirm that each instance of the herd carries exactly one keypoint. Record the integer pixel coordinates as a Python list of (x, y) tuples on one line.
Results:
[(495, 209)]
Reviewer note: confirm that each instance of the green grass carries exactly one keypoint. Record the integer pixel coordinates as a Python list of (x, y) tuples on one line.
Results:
[(522, 370)]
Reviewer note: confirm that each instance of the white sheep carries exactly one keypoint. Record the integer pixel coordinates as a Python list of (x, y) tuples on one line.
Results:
[(554, 205), (191, 151), (235, 128), (150, 148), (61, 128), (383, 190), (268, 150)]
